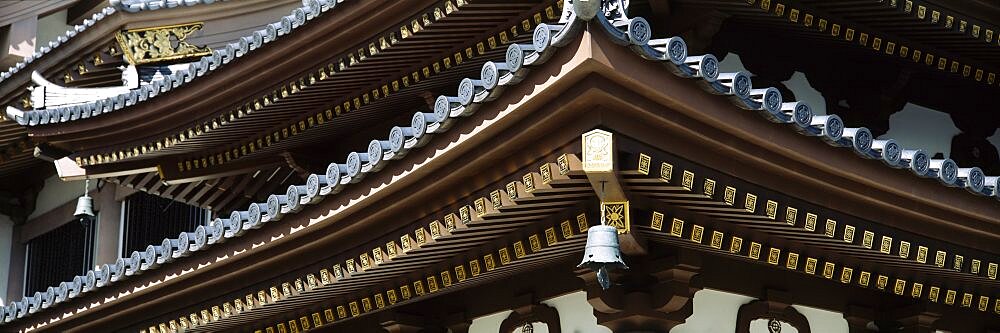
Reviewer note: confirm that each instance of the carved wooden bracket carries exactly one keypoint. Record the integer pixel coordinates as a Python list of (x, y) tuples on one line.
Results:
[(396, 322), (532, 314), (653, 295), (858, 318), (912, 319), (761, 309)]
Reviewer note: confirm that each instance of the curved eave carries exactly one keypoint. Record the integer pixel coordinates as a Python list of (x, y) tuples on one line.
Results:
[(96, 31), (363, 88), (347, 24)]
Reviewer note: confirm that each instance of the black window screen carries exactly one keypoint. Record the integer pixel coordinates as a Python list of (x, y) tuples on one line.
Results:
[(149, 219), (59, 255)]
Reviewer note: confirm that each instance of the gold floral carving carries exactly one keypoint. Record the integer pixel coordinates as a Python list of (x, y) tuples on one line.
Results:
[(160, 44), (616, 214)]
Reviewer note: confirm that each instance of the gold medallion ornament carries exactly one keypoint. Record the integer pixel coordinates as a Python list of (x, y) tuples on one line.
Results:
[(597, 151), (160, 44)]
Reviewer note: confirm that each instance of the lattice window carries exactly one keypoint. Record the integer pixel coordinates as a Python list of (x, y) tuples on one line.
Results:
[(59, 255), (148, 219)]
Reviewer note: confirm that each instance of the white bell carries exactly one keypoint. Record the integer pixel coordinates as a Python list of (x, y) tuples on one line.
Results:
[(84, 207), (602, 252)]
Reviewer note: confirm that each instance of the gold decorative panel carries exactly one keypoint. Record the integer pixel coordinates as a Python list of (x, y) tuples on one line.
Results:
[(644, 161), (736, 245), (810, 224), (697, 232), (657, 221), (845, 274), (160, 44), (792, 261), (616, 214), (717, 239), (773, 255)]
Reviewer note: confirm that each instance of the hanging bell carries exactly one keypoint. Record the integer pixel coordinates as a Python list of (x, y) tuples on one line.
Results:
[(602, 253), (84, 207)]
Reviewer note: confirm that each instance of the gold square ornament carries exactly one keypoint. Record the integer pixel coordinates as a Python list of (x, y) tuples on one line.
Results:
[(616, 214)]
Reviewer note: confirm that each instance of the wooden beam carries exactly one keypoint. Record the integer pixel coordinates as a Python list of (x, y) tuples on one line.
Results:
[(143, 184), (187, 189), (236, 192), (205, 187), (69, 170), (219, 189), (172, 176)]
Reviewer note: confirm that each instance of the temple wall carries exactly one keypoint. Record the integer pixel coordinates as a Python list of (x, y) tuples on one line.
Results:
[(575, 315), (26, 26), (55, 193), (488, 323), (221, 31), (714, 311), (6, 241), (822, 321), (49, 27), (54, 207)]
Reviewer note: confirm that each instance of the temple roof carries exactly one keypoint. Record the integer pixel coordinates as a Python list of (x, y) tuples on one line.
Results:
[(496, 77)]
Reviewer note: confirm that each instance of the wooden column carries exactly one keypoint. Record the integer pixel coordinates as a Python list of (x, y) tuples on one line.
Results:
[(108, 224), (654, 295)]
